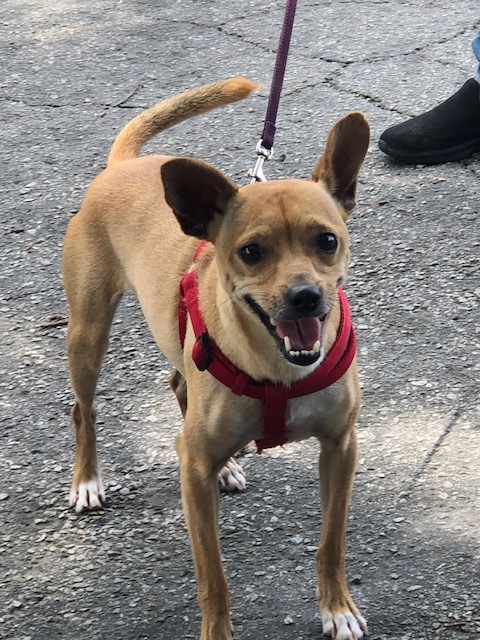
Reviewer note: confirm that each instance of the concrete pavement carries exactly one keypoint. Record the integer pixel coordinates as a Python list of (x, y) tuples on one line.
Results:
[(72, 74)]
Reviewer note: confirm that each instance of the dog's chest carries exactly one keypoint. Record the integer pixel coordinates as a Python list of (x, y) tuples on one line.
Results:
[(306, 416)]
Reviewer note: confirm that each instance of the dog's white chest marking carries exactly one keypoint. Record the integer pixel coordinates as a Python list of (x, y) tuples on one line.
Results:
[(305, 415)]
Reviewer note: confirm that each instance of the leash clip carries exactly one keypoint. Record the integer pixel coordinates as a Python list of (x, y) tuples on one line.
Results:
[(256, 174)]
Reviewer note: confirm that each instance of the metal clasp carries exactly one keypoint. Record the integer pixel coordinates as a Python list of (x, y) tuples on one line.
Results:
[(256, 174)]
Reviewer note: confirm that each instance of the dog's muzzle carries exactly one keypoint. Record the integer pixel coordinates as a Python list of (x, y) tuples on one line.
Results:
[(299, 334)]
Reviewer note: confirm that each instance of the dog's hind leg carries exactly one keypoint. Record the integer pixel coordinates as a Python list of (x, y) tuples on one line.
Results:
[(231, 477), (92, 300), (178, 385), (87, 343)]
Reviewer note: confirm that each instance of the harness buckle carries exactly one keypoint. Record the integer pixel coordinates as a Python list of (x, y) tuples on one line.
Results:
[(202, 352), (256, 174)]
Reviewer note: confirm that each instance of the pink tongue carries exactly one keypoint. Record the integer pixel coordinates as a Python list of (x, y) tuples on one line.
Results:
[(303, 333)]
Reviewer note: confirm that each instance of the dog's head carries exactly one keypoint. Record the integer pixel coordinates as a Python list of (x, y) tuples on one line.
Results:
[(281, 247)]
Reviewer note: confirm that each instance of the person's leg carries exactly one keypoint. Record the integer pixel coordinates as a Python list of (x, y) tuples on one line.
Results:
[(449, 132)]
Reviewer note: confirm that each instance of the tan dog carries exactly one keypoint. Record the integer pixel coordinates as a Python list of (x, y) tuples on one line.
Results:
[(267, 285)]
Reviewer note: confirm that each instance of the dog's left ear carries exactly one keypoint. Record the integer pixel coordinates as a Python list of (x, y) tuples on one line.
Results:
[(338, 168), (198, 194)]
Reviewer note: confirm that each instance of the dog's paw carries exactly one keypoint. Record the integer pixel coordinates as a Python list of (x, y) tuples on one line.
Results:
[(88, 496), (344, 626), (232, 477)]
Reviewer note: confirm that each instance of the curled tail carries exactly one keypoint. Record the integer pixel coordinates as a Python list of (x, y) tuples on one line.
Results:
[(146, 125)]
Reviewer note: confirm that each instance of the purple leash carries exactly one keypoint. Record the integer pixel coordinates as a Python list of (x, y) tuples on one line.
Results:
[(264, 147)]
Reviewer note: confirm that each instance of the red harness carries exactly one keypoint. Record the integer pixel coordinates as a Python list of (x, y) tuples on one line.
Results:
[(274, 397)]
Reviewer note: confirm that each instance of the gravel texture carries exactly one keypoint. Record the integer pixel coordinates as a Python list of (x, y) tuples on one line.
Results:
[(73, 74)]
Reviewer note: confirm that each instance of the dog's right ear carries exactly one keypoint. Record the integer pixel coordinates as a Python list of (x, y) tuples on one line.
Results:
[(198, 194)]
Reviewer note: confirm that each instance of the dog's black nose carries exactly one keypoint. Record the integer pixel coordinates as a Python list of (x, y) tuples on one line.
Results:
[(305, 299)]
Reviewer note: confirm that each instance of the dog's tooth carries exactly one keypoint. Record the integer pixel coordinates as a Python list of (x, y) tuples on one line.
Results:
[(273, 322), (304, 352), (316, 346), (287, 343), (294, 354)]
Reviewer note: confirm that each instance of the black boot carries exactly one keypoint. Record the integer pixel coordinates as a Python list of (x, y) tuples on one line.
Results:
[(449, 132)]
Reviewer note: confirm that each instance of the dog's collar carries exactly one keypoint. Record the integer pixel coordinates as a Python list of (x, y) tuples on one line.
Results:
[(208, 357)]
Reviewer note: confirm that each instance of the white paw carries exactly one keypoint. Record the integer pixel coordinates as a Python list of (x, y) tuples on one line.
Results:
[(88, 496), (232, 477), (344, 626)]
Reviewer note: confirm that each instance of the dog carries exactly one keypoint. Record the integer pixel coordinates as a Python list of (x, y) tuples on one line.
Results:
[(267, 261)]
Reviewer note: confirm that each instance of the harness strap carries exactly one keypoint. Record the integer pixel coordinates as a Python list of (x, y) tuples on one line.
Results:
[(274, 397)]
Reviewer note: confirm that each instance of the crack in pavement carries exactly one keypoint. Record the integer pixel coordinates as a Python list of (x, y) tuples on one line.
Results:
[(419, 471), (101, 105)]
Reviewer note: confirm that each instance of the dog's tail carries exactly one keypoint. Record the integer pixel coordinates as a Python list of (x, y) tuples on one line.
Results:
[(138, 131)]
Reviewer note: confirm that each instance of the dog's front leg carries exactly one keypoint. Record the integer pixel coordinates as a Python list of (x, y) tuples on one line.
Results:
[(231, 477), (200, 498), (340, 617)]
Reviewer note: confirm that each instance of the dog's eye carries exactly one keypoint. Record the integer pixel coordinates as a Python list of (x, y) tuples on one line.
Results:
[(250, 253), (327, 242)]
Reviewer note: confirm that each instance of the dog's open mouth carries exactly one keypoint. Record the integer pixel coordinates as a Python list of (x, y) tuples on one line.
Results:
[(300, 341)]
